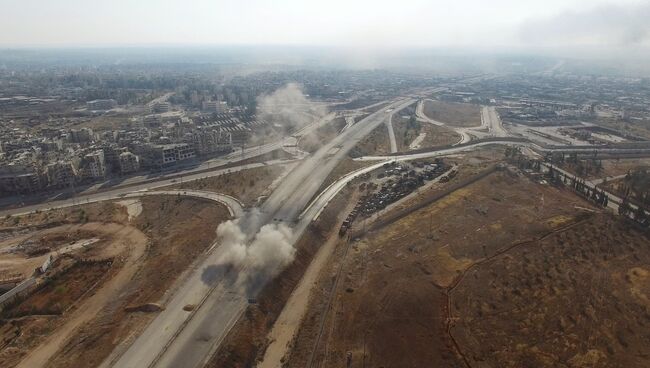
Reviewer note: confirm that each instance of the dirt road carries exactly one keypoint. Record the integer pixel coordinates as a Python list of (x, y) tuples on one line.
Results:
[(133, 243)]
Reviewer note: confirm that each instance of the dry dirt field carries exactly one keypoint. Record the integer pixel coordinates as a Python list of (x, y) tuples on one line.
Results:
[(346, 166), (435, 135), (610, 167), (576, 298), (407, 130), (454, 114), (375, 143), (179, 231), (393, 298), (246, 185), (79, 318), (639, 128), (108, 122)]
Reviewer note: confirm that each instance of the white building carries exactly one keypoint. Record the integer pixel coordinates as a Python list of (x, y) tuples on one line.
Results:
[(97, 105), (218, 107)]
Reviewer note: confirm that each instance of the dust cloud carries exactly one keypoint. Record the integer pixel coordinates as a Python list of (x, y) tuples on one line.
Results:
[(258, 258), (289, 108), (621, 25)]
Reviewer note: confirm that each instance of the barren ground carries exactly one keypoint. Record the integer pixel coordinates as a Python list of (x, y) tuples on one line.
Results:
[(246, 185), (612, 167), (375, 143), (454, 114), (180, 230), (639, 128), (382, 301), (79, 318), (407, 130)]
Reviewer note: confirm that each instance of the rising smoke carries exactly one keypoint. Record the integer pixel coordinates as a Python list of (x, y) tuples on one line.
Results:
[(260, 251), (260, 257), (622, 25), (289, 108)]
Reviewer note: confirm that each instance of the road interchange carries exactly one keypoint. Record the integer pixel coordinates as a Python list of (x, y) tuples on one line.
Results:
[(188, 338)]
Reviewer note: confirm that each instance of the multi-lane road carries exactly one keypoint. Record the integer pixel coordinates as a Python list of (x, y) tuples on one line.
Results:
[(180, 338), (491, 125), (187, 337)]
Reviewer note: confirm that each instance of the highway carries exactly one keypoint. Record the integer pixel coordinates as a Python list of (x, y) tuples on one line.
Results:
[(178, 338), (142, 181), (464, 133), (125, 191), (490, 119), (391, 134), (187, 338), (208, 326), (286, 202)]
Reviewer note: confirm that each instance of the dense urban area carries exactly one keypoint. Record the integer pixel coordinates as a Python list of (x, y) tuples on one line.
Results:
[(170, 214)]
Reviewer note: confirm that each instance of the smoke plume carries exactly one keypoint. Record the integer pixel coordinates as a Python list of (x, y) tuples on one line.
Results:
[(258, 258), (623, 25), (289, 108)]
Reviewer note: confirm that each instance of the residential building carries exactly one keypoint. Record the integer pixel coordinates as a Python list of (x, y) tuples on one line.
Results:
[(20, 179), (207, 142), (83, 135), (129, 163), (218, 107), (93, 165), (159, 107), (61, 174), (101, 104)]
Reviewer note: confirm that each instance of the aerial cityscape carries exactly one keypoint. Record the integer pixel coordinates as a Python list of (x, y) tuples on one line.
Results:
[(310, 185)]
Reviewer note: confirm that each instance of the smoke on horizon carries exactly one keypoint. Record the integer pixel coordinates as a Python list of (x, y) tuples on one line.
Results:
[(610, 25), (289, 108)]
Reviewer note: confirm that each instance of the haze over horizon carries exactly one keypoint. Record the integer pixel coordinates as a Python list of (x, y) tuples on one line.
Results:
[(550, 24)]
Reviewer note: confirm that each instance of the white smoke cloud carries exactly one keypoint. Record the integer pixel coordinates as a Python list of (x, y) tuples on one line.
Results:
[(233, 241), (605, 25), (289, 108), (271, 250), (260, 258)]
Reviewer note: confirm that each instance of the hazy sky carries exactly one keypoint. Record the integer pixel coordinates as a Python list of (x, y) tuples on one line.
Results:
[(372, 23)]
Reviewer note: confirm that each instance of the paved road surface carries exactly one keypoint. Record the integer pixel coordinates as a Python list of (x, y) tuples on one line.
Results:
[(201, 334), (216, 164), (235, 207), (121, 192), (490, 118), (464, 135), (391, 134)]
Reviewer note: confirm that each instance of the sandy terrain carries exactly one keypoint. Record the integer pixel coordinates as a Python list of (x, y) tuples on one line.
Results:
[(375, 143), (133, 244), (453, 114), (146, 245), (382, 301), (246, 185), (577, 298)]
